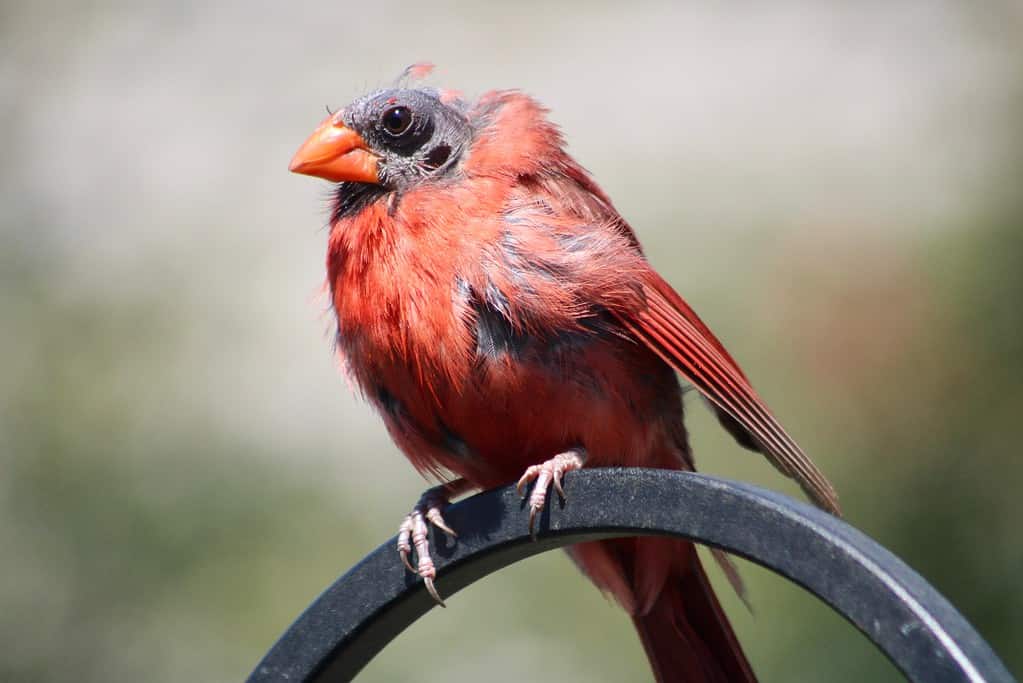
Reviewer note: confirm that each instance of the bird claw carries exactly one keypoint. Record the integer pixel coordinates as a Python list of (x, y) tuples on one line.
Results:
[(545, 474), (432, 590), (403, 553), (413, 534)]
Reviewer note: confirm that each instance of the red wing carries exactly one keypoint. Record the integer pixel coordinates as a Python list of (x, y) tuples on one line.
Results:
[(670, 328), (673, 331)]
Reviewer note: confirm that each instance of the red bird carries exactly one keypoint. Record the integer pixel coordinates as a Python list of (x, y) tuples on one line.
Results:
[(500, 314)]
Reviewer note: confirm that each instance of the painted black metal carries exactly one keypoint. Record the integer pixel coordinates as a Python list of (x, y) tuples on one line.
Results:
[(890, 603)]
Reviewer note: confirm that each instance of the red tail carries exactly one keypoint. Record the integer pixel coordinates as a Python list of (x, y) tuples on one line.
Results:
[(688, 638), (681, 624)]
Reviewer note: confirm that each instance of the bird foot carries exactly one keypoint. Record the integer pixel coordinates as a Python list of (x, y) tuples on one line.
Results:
[(414, 532), (547, 473)]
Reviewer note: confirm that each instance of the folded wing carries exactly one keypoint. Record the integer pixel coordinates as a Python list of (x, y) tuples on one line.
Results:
[(666, 324)]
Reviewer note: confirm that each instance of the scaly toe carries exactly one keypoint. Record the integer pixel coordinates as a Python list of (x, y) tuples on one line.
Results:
[(546, 474), (414, 532)]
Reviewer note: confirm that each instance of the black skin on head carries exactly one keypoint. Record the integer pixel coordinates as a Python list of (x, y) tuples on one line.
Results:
[(435, 139), (415, 135)]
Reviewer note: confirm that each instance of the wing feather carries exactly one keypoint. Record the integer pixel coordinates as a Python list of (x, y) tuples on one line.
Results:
[(658, 317), (670, 328)]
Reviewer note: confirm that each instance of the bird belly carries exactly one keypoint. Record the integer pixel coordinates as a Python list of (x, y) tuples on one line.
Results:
[(608, 396)]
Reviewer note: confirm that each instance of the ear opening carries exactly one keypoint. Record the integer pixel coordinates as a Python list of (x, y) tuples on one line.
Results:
[(438, 156)]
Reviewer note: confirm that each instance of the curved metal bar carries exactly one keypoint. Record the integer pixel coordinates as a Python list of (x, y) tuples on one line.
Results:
[(891, 604)]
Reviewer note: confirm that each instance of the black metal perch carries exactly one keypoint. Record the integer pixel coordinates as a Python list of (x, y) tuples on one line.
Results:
[(907, 619)]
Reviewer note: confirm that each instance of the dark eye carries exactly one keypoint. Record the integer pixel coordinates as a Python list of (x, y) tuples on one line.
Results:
[(396, 120)]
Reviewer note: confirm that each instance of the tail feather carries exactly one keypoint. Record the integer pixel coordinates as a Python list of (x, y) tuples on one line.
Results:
[(682, 626), (687, 637)]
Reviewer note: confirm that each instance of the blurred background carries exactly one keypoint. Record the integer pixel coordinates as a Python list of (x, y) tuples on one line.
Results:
[(836, 187)]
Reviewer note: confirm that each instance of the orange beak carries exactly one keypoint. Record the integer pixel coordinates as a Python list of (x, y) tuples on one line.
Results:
[(337, 153)]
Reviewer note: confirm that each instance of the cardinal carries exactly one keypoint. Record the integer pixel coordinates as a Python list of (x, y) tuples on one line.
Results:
[(501, 316)]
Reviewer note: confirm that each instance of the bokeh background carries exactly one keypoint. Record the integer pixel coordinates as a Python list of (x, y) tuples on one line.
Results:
[(836, 187)]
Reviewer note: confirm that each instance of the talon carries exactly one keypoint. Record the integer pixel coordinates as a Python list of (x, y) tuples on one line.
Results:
[(546, 474), (403, 554), (557, 487), (433, 514), (530, 474), (432, 590), (414, 532)]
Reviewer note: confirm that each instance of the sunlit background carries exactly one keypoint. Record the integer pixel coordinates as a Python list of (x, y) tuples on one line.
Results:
[(836, 187)]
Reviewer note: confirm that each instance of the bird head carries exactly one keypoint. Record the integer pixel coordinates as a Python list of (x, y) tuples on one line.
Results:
[(392, 138)]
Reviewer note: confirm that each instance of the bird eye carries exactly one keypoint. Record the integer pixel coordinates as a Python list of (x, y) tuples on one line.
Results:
[(396, 120)]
